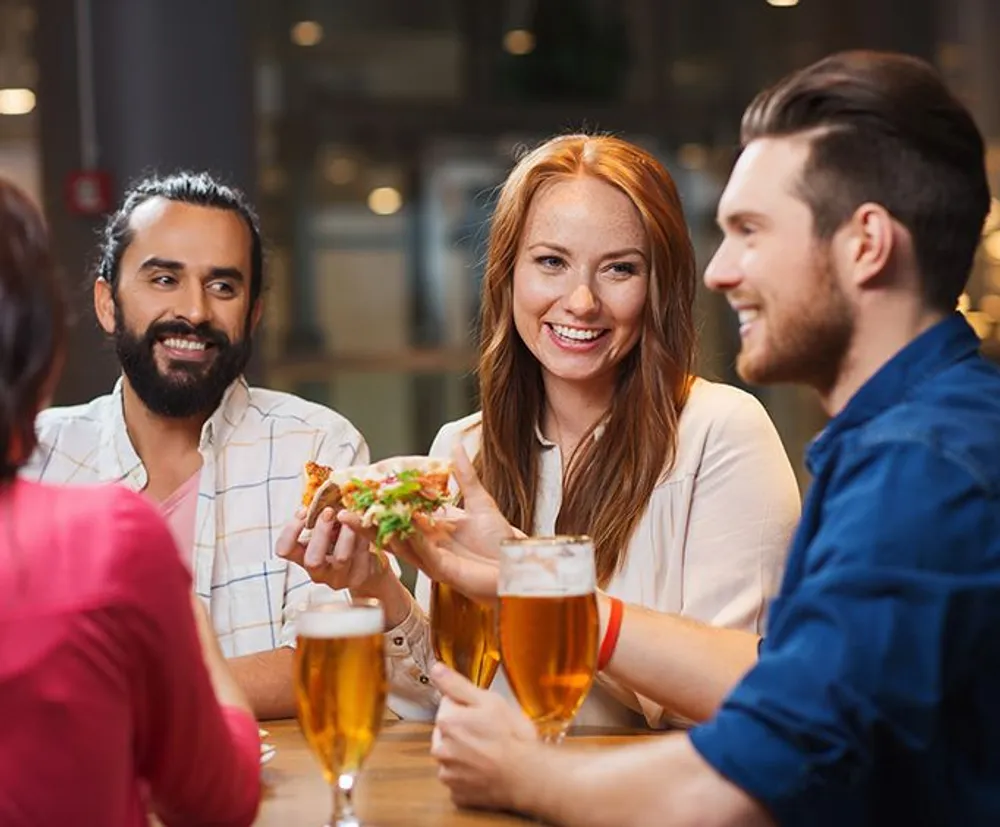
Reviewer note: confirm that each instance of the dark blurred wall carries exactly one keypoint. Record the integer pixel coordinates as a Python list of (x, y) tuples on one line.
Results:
[(173, 86)]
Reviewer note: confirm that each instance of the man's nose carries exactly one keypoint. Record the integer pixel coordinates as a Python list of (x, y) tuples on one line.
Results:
[(722, 272), (195, 305)]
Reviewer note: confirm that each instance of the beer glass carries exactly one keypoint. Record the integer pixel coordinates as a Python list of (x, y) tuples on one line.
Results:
[(548, 627), (340, 689), (464, 634)]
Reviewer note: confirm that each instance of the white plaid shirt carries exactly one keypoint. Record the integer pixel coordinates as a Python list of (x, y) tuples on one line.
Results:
[(253, 450)]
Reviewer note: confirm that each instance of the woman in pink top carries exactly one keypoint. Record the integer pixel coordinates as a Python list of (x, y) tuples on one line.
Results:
[(114, 697)]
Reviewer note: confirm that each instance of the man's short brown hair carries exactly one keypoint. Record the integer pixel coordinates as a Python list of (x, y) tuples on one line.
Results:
[(886, 130)]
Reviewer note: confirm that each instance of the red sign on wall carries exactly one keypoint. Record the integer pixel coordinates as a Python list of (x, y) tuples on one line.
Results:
[(88, 192)]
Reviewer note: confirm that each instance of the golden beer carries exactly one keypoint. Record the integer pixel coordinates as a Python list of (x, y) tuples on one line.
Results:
[(549, 649), (464, 634), (340, 685)]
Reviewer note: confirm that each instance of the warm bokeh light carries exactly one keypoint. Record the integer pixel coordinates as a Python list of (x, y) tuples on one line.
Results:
[(980, 322), (519, 42), (990, 305), (385, 200), (992, 222), (693, 156), (16, 101), (782, 4), (307, 33), (992, 245), (341, 170)]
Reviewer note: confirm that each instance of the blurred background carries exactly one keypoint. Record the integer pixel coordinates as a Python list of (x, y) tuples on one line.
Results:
[(371, 135)]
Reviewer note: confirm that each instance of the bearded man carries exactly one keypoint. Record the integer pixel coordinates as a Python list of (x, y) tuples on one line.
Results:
[(178, 290)]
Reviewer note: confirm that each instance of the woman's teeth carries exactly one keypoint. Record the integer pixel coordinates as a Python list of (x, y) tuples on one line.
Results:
[(575, 333)]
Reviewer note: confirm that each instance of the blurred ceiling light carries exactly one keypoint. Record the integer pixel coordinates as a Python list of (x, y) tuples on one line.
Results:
[(16, 101), (693, 156), (519, 42), (341, 170), (307, 33), (992, 245), (385, 200), (782, 4), (990, 305)]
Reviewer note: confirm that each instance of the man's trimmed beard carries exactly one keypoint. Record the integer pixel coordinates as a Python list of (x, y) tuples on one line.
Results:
[(190, 388)]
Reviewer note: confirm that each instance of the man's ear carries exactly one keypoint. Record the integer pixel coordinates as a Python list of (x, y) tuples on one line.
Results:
[(256, 313), (870, 243), (104, 305)]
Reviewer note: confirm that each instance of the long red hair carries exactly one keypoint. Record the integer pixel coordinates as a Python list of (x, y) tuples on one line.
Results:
[(608, 481)]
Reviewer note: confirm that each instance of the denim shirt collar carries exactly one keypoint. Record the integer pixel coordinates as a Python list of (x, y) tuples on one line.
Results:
[(947, 342)]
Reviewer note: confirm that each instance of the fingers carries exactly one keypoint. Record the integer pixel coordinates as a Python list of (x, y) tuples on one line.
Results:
[(347, 545), (353, 522), (455, 687), (288, 546), (353, 559), (465, 473), (323, 537)]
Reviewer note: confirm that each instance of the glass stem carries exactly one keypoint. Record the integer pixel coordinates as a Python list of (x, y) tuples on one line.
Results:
[(552, 734), (343, 802)]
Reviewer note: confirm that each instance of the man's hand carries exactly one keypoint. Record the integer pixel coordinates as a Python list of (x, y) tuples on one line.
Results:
[(474, 741), (335, 556)]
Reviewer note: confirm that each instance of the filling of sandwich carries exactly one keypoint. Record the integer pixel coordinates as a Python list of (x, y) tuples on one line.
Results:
[(316, 475), (390, 503)]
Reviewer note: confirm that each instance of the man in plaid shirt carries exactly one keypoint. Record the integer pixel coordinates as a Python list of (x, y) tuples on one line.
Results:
[(178, 290)]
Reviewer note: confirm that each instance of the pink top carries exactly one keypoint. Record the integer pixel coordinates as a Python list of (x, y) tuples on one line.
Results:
[(105, 704), (180, 510)]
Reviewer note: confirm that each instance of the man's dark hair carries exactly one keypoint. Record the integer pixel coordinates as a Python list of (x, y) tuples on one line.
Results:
[(887, 131), (197, 188), (32, 324)]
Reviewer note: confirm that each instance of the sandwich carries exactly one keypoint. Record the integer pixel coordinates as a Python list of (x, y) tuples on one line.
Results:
[(386, 494)]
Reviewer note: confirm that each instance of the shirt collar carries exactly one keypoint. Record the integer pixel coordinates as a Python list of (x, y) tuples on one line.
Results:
[(937, 348), (548, 443), (125, 464)]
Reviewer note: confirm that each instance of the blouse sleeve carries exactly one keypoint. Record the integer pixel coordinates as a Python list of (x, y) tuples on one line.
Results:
[(408, 646), (200, 761)]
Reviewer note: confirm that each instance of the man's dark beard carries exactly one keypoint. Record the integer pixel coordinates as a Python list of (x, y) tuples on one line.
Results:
[(191, 388)]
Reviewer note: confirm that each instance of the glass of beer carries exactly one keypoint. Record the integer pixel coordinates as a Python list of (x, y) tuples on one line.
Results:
[(548, 627), (464, 634), (340, 689)]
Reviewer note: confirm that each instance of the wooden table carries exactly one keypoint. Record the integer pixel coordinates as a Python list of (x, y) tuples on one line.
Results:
[(398, 786)]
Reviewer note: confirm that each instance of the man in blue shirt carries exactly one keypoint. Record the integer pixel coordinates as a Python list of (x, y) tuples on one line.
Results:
[(850, 224)]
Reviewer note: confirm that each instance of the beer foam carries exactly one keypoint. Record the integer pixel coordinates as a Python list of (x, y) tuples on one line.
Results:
[(528, 587), (546, 567), (568, 578), (334, 621)]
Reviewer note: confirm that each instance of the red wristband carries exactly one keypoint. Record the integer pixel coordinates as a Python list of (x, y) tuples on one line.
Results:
[(611, 634)]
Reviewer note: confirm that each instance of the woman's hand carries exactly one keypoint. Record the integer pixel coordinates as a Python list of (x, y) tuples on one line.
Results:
[(459, 547), (335, 556)]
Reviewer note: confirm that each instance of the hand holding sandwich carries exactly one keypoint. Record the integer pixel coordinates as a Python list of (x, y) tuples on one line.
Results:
[(456, 546), (331, 554)]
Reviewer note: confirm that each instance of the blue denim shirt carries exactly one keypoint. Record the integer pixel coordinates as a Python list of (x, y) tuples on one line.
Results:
[(876, 698)]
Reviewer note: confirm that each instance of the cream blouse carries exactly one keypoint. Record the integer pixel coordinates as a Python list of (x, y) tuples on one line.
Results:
[(710, 546)]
